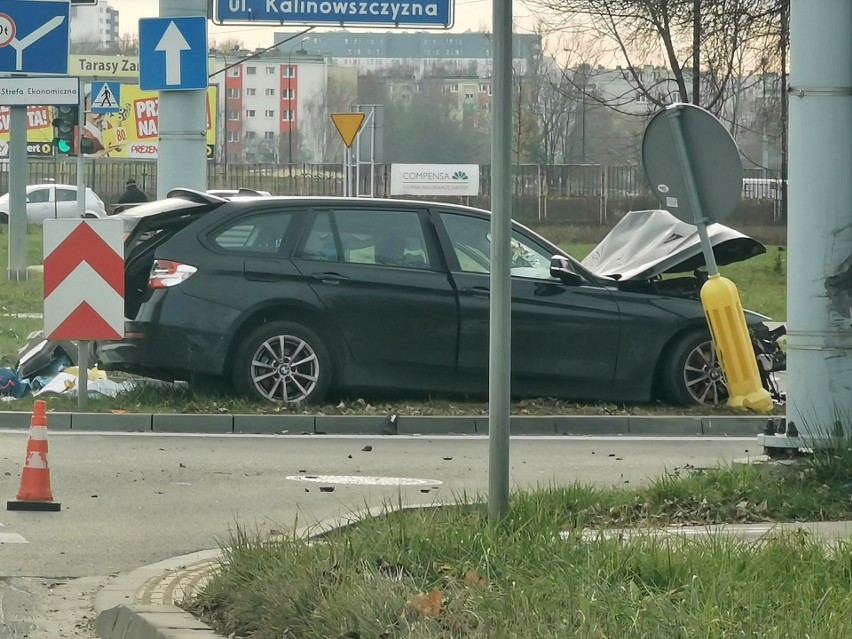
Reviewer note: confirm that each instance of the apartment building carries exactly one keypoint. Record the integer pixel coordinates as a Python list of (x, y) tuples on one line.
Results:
[(96, 24), (422, 53), (273, 107)]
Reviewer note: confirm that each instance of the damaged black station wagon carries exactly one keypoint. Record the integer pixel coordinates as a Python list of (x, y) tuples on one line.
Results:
[(288, 298)]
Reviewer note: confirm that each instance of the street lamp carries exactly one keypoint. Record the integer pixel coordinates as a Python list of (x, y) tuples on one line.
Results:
[(291, 112)]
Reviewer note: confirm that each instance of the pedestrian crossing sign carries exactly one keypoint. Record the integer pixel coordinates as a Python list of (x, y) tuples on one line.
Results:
[(106, 97)]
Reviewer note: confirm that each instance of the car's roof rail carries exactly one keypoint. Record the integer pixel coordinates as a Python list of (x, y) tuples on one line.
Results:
[(195, 196)]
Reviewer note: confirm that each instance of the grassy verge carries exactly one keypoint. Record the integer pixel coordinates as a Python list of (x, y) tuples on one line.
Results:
[(447, 573), (149, 398)]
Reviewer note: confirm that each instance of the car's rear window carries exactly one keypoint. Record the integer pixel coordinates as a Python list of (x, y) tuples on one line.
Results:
[(259, 233)]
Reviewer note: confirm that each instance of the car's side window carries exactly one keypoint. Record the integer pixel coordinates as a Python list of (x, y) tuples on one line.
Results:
[(66, 195), (471, 240), (319, 243), (258, 233), (386, 238), (38, 195)]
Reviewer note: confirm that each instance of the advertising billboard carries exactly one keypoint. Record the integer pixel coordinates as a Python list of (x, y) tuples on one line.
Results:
[(434, 179), (131, 133)]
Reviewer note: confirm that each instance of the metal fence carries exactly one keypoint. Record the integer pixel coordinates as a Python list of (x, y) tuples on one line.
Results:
[(539, 190)]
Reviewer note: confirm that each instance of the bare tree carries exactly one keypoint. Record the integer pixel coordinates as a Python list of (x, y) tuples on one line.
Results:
[(226, 45), (128, 44), (318, 131), (680, 36)]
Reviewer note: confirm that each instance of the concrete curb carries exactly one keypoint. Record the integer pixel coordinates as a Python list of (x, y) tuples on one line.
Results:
[(227, 424)]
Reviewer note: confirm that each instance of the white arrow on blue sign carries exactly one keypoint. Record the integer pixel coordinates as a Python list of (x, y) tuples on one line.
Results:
[(173, 54), (34, 37)]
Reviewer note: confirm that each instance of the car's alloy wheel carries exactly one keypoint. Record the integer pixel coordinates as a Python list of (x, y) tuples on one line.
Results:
[(283, 362), (285, 368), (703, 376)]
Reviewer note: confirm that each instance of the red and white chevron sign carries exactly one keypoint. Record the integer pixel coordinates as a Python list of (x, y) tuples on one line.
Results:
[(83, 279)]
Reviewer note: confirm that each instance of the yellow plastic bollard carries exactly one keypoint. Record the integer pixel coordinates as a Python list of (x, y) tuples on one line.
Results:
[(728, 327)]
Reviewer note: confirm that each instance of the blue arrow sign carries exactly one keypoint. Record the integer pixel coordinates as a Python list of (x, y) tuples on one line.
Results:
[(385, 13), (34, 37), (173, 54)]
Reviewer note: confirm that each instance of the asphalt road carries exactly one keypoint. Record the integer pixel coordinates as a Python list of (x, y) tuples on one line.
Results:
[(133, 499)]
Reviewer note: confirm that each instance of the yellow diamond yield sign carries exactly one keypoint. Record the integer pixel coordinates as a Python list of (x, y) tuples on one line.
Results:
[(348, 125)]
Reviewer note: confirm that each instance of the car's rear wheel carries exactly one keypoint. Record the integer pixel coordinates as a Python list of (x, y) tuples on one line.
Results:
[(692, 373), (283, 362)]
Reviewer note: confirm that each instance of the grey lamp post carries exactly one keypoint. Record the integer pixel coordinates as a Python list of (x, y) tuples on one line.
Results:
[(292, 111)]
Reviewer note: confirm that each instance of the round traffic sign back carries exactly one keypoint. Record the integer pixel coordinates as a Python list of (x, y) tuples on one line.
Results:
[(713, 159)]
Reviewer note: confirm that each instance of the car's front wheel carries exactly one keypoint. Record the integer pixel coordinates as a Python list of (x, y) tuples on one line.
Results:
[(283, 362), (692, 372)]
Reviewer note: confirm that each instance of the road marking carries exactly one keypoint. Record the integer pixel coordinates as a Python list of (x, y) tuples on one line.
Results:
[(12, 538), (365, 481)]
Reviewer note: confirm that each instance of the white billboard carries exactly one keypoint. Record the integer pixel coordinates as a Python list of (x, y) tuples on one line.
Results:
[(434, 179)]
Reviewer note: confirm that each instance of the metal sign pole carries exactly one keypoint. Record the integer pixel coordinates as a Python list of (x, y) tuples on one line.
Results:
[(673, 113), (82, 345), (373, 153), (81, 173), (345, 171), (82, 374), (499, 386), (17, 269)]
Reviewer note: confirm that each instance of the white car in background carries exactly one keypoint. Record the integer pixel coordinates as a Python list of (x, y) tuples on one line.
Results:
[(51, 201)]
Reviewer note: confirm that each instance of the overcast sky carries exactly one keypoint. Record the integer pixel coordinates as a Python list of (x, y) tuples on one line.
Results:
[(470, 14)]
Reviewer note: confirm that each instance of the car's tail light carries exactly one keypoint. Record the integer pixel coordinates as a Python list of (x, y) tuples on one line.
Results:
[(165, 273)]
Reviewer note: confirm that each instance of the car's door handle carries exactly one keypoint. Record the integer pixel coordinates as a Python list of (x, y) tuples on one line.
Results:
[(329, 278), (476, 291)]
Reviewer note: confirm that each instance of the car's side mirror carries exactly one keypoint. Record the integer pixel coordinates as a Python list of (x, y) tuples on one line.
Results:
[(562, 269)]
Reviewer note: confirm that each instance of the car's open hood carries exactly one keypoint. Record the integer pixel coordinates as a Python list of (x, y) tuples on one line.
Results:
[(649, 243)]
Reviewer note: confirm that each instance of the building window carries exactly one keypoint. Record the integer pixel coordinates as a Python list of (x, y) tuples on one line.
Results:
[(286, 94), (250, 135), (270, 93), (270, 113), (249, 113), (233, 93), (233, 136), (287, 115), (234, 72), (468, 96), (288, 72), (483, 88), (269, 135), (233, 115), (454, 88), (270, 70), (251, 91), (251, 70)]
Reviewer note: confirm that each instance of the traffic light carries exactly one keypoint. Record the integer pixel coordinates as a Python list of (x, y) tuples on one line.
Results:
[(65, 128)]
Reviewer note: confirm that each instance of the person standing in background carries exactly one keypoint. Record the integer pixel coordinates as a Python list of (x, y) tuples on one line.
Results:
[(132, 194)]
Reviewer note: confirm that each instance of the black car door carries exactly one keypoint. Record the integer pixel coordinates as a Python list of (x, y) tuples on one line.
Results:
[(378, 274), (565, 338)]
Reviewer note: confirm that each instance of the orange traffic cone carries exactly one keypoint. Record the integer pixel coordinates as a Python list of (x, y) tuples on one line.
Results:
[(35, 479)]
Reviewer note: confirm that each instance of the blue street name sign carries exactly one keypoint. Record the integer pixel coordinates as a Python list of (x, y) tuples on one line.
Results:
[(34, 37), (384, 13), (173, 54)]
